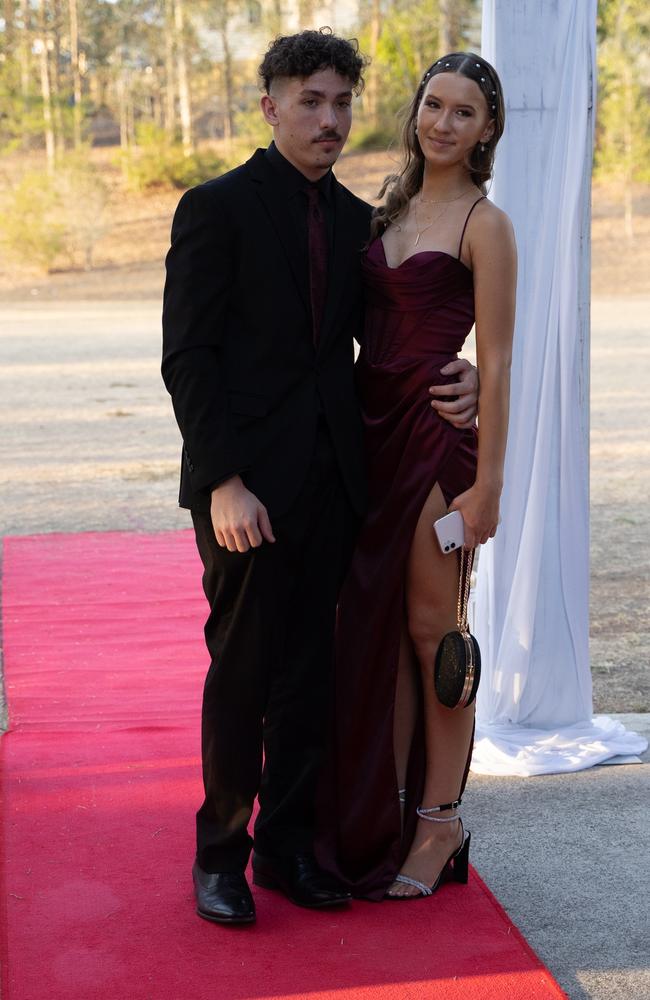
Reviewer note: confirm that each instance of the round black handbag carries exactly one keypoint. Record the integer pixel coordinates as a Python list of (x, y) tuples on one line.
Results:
[(457, 669)]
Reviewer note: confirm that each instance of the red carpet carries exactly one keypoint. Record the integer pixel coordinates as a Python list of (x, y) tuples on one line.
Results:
[(104, 664)]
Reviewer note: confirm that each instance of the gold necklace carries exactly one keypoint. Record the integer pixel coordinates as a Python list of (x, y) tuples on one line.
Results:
[(423, 201), (420, 232), (439, 201)]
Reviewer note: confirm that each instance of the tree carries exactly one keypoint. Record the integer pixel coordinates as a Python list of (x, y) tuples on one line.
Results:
[(403, 37), (76, 74), (450, 25), (402, 52), (219, 17), (182, 77), (169, 74), (42, 47), (372, 86), (623, 122)]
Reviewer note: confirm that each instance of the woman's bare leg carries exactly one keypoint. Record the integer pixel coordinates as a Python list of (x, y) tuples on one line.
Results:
[(431, 597)]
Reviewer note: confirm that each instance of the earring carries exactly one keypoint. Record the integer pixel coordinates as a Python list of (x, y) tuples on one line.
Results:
[(482, 148), (416, 130)]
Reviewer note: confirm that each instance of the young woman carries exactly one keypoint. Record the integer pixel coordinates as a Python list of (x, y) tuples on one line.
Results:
[(441, 258)]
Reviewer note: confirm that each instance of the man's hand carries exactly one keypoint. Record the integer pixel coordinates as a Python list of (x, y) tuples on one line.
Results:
[(460, 412), (239, 520)]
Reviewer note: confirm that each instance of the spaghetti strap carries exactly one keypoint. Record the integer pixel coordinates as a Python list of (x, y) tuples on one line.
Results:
[(460, 245)]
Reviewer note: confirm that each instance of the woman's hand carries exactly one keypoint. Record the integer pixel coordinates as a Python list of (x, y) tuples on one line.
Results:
[(479, 507)]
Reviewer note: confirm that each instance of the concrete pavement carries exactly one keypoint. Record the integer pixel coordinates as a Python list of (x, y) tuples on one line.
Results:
[(568, 856)]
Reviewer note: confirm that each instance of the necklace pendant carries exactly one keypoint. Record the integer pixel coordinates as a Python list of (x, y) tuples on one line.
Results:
[(417, 239)]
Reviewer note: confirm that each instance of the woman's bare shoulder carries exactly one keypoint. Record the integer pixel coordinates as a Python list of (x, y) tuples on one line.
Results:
[(491, 220)]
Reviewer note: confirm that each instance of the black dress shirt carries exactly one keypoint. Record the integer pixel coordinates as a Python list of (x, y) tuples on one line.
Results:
[(294, 187)]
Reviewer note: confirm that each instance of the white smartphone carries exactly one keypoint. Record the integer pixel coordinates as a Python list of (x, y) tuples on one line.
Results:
[(450, 531)]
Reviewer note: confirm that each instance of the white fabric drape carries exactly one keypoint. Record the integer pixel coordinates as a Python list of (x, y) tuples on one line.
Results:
[(531, 608)]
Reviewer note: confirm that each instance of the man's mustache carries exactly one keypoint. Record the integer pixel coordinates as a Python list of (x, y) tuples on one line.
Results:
[(334, 136)]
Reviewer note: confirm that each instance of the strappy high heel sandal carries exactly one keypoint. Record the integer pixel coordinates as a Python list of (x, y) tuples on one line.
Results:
[(455, 867)]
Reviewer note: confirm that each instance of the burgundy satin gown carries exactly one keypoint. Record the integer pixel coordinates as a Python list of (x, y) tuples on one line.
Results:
[(418, 316)]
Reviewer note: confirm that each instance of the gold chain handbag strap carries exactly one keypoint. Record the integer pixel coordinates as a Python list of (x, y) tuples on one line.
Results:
[(464, 584)]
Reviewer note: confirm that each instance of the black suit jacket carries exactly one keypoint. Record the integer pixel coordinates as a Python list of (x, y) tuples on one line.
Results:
[(246, 382)]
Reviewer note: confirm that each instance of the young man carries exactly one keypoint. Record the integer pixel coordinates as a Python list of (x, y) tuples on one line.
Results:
[(262, 301)]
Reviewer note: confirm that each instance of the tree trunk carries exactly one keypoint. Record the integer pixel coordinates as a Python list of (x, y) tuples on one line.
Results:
[(305, 14), (123, 112), (228, 86), (170, 94), (372, 89), (275, 18), (157, 104), (628, 138), (450, 18), (25, 62), (10, 26), (55, 80), (130, 113), (183, 86), (628, 150), (76, 75), (41, 48)]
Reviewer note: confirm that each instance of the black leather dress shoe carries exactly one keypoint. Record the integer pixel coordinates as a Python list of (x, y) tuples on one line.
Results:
[(300, 879), (223, 897)]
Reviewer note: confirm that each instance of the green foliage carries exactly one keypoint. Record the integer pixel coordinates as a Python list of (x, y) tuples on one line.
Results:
[(403, 53), (410, 39), (400, 55), (623, 117), (55, 219), (623, 147), (21, 117), (82, 197), (368, 138), (251, 127), (158, 161), (32, 228)]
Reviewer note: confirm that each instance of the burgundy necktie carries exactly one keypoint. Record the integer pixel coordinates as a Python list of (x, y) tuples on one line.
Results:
[(317, 258)]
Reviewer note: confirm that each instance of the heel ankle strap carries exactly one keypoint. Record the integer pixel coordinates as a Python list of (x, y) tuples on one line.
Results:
[(427, 813), (437, 809)]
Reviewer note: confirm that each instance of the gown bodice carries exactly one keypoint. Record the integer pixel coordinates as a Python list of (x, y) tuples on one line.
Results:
[(423, 307)]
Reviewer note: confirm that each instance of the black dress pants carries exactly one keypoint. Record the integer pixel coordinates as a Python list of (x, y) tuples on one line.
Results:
[(268, 691)]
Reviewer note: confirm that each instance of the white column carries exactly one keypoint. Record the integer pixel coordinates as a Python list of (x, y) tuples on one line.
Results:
[(531, 611)]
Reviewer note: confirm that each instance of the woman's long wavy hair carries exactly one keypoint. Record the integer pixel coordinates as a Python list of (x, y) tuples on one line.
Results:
[(400, 188)]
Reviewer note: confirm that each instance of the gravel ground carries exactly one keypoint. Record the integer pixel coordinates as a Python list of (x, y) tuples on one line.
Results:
[(88, 442), (620, 516)]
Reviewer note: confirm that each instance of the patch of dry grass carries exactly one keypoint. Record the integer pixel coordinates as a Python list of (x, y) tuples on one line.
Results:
[(129, 258)]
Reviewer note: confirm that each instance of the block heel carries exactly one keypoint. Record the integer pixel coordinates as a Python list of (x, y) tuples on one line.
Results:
[(460, 861)]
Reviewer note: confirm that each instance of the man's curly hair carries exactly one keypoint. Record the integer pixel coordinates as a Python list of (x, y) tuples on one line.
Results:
[(309, 51)]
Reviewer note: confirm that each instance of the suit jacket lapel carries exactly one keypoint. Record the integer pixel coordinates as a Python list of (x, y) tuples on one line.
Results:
[(263, 175), (345, 258)]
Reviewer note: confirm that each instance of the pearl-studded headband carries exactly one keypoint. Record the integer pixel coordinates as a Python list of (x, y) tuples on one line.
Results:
[(448, 65)]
